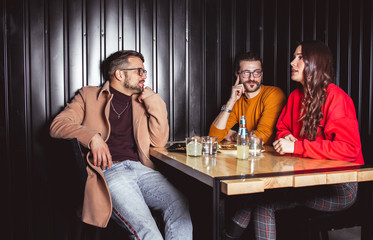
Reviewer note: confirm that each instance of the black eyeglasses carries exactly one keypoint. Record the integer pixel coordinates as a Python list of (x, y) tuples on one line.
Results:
[(140, 71), (257, 73)]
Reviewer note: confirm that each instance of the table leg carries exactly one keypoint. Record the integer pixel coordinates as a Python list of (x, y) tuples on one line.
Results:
[(366, 228), (218, 211)]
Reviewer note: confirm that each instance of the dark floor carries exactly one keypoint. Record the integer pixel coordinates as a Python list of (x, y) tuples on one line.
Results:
[(345, 234)]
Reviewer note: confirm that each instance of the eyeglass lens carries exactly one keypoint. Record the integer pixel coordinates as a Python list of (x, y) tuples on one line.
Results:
[(141, 71), (256, 73)]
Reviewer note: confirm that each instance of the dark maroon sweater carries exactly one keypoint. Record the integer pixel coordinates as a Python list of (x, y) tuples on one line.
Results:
[(121, 142)]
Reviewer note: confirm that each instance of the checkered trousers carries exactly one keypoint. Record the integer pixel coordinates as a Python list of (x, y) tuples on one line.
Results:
[(324, 198)]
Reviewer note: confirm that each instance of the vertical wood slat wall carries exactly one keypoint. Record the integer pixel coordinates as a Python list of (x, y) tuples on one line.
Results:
[(50, 49)]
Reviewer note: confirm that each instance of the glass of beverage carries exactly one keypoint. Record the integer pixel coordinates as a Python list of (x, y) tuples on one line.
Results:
[(209, 145), (193, 146), (242, 151), (255, 146)]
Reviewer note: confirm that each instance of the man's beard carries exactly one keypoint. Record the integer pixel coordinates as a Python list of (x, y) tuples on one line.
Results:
[(248, 83), (127, 84)]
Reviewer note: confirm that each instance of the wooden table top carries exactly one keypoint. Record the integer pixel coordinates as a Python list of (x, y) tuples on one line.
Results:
[(270, 170)]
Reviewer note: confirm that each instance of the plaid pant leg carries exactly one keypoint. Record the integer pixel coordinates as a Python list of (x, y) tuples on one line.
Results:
[(264, 217), (264, 221), (242, 217), (335, 198)]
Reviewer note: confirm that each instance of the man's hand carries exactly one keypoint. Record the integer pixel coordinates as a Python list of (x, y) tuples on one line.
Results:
[(285, 145), (100, 152), (231, 136), (147, 92), (237, 91)]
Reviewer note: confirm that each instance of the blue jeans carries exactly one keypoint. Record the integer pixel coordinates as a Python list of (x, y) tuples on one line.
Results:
[(134, 190)]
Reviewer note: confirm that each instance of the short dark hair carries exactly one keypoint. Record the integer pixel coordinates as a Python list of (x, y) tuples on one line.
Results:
[(248, 56), (116, 60)]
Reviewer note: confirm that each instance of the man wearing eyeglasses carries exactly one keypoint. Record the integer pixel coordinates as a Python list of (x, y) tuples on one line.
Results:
[(261, 104), (118, 122)]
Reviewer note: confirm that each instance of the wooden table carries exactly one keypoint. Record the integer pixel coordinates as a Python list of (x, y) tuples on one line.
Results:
[(229, 176)]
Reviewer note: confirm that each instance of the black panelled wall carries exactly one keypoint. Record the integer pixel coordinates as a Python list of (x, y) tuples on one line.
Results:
[(50, 49)]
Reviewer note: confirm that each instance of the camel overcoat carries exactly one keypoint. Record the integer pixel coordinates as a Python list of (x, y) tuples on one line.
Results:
[(87, 115)]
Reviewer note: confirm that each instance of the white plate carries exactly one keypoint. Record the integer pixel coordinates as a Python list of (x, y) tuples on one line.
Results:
[(228, 152), (231, 152)]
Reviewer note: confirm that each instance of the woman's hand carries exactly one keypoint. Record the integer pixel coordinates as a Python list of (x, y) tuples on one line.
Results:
[(285, 144), (290, 138)]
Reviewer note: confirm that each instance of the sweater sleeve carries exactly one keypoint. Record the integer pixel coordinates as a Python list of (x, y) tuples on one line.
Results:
[(220, 133), (343, 142), (273, 105), (284, 123), (232, 120)]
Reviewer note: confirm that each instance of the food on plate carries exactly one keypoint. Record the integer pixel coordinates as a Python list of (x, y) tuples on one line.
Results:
[(177, 147), (231, 146)]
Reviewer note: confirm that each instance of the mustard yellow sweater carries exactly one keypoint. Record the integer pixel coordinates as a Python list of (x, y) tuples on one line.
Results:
[(261, 113)]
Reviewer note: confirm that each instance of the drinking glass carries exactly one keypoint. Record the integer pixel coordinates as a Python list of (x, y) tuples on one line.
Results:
[(255, 146), (209, 145), (193, 146)]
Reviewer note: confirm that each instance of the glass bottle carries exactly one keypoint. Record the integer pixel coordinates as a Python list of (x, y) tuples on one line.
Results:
[(242, 140)]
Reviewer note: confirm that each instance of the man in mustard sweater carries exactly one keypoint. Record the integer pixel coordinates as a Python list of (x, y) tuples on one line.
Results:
[(261, 104)]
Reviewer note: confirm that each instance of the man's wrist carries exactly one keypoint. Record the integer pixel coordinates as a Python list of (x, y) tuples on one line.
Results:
[(230, 104), (225, 109), (93, 139)]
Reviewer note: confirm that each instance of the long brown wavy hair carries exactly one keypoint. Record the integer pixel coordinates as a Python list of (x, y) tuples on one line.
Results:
[(318, 74)]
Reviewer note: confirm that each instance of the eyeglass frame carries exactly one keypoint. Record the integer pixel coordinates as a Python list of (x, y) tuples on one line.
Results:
[(138, 70), (253, 72)]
